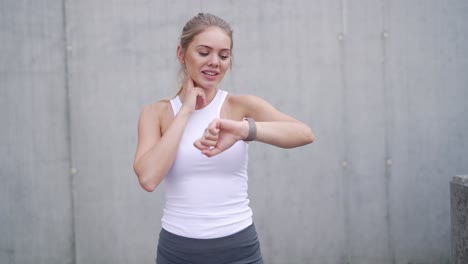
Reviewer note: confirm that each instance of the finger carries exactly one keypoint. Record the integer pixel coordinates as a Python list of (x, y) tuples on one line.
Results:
[(203, 144), (210, 152), (210, 138), (214, 126), (200, 93), (201, 100), (211, 131), (199, 145), (207, 142)]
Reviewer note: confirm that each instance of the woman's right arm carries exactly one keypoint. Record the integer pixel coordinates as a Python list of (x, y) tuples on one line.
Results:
[(156, 153)]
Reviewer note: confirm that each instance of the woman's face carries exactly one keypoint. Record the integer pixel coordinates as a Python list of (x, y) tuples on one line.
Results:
[(208, 57)]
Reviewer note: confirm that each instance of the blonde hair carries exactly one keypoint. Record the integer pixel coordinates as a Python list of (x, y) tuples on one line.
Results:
[(195, 26)]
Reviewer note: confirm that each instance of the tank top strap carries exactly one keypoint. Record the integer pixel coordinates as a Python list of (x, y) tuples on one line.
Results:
[(222, 97), (176, 104)]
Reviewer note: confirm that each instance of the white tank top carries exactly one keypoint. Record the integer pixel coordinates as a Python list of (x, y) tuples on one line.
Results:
[(206, 197)]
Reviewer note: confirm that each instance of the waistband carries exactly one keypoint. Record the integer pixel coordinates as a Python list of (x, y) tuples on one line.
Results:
[(241, 247)]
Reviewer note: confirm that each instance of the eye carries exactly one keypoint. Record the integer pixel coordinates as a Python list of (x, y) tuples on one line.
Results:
[(224, 56), (203, 53)]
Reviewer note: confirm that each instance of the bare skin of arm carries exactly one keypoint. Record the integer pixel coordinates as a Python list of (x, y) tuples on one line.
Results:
[(273, 127), (156, 151)]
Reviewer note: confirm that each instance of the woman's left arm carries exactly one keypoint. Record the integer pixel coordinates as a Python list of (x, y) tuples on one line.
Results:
[(274, 127)]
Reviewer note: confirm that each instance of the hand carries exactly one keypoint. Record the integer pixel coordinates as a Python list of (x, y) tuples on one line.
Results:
[(192, 97), (220, 135)]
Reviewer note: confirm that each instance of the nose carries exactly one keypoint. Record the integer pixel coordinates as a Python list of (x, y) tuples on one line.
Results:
[(214, 61)]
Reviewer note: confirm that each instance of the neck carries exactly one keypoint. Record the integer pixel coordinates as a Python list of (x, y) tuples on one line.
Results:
[(209, 96)]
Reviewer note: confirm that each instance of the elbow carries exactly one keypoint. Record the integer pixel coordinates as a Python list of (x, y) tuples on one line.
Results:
[(309, 136), (147, 185), (145, 181)]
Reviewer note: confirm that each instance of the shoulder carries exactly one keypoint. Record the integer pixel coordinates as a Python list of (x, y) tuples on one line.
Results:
[(155, 111), (156, 108)]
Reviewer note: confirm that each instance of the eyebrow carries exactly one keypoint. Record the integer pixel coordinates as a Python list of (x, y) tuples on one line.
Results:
[(208, 47)]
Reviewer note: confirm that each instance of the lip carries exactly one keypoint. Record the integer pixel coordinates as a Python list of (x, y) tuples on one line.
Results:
[(208, 76)]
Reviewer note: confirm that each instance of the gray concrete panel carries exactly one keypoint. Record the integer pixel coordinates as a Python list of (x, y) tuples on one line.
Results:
[(35, 192), (121, 58), (35, 208), (364, 132), (428, 147)]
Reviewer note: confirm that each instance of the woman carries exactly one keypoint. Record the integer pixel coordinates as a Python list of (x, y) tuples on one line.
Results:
[(197, 143)]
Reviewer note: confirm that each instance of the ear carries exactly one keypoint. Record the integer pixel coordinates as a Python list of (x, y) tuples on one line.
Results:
[(180, 54)]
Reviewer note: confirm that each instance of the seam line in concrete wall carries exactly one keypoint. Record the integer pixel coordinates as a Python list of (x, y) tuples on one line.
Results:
[(69, 130), (388, 115), (345, 255)]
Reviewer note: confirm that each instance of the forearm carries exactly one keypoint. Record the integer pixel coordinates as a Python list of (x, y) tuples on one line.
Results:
[(284, 134), (152, 167)]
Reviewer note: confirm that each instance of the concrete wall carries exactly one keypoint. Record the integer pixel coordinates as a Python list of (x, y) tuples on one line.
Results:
[(382, 83), (36, 224)]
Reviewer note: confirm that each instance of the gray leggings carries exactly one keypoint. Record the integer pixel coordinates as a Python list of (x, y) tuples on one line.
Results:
[(239, 248)]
